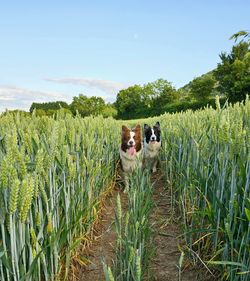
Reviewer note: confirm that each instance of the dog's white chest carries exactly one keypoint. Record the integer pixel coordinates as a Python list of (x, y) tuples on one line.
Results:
[(151, 150), (130, 162)]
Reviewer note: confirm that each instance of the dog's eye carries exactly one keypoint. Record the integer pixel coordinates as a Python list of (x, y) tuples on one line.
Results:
[(133, 137)]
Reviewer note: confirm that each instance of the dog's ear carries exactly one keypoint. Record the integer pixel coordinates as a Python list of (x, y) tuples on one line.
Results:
[(125, 130), (137, 129), (146, 127), (157, 124), (138, 137)]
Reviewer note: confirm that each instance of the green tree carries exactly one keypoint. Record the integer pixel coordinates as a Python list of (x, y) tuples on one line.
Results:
[(233, 72), (49, 105), (109, 111), (202, 87), (87, 105), (163, 94), (143, 101), (130, 102)]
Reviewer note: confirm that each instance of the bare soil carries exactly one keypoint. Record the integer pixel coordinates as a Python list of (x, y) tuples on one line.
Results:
[(165, 242), (103, 244)]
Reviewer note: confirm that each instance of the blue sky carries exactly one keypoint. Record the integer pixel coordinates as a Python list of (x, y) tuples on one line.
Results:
[(54, 50)]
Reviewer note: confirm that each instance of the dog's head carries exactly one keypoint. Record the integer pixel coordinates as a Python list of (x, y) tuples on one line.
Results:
[(131, 139), (152, 135)]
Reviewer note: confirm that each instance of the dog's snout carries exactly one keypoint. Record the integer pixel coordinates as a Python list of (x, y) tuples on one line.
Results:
[(130, 142), (153, 138)]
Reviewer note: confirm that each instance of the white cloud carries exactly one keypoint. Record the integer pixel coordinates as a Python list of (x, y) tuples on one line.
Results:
[(109, 87), (12, 97)]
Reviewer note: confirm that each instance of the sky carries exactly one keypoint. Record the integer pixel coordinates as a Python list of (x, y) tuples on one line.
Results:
[(54, 50)]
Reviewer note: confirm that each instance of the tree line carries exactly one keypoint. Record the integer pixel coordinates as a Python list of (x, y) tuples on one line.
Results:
[(230, 80), (82, 105)]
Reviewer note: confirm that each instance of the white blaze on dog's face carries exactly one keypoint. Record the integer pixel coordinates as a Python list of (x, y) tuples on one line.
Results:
[(153, 136), (131, 141)]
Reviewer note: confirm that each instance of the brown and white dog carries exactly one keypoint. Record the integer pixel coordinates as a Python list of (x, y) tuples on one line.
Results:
[(130, 151)]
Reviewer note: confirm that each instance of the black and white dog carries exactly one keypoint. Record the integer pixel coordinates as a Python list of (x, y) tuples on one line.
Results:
[(152, 145)]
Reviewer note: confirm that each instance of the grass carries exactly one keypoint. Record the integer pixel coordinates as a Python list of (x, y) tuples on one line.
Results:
[(133, 231), (206, 156), (53, 172)]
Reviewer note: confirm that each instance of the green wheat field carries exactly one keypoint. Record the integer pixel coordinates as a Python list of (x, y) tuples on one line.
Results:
[(53, 172)]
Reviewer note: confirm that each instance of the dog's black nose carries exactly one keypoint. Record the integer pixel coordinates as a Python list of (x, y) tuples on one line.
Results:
[(130, 142), (153, 138)]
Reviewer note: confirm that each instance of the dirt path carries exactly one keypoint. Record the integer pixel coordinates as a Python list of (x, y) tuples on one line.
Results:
[(165, 241), (103, 245), (104, 242)]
